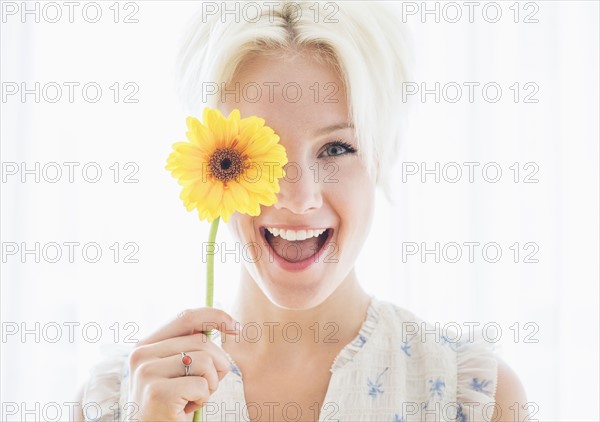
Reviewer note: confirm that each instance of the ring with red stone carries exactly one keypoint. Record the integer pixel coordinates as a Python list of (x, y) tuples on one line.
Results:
[(187, 361)]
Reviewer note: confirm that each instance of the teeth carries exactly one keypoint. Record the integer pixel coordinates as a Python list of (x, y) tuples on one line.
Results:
[(295, 234)]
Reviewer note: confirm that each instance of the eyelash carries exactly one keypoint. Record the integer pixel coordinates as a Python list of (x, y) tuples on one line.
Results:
[(339, 143)]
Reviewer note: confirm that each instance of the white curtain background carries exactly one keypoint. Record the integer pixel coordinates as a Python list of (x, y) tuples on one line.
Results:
[(547, 310)]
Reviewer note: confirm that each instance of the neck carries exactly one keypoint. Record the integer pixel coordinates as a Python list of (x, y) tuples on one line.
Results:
[(335, 322)]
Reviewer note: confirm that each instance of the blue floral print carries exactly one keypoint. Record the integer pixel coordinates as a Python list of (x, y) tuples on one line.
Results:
[(405, 346), (437, 387), (481, 385), (375, 387)]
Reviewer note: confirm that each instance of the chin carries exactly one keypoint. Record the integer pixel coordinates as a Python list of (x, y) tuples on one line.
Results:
[(290, 294)]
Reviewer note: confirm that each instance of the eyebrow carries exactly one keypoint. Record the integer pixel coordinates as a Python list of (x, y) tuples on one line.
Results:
[(332, 128)]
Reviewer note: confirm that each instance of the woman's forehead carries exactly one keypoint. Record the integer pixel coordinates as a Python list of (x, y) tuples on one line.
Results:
[(300, 87), (293, 68)]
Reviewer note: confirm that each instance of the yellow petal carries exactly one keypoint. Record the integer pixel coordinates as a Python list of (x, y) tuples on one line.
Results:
[(213, 198), (229, 204), (232, 126), (240, 194)]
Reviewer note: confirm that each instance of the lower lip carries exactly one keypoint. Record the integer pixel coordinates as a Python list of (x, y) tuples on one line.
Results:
[(300, 265)]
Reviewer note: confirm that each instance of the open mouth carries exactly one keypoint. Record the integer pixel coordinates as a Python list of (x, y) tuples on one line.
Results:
[(295, 246)]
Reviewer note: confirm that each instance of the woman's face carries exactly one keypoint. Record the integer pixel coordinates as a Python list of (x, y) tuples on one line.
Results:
[(326, 186)]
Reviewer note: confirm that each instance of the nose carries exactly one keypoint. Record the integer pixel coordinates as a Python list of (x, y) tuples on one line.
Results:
[(299, 192)]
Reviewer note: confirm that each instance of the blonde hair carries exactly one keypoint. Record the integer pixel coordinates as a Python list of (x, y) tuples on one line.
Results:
[(364, 41)]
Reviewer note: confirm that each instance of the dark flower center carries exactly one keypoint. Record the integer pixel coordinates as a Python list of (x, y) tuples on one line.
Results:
[(226, 164)]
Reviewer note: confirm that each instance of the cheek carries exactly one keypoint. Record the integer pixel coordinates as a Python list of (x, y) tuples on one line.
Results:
[(240, 226), (353, 190), (352, 198)]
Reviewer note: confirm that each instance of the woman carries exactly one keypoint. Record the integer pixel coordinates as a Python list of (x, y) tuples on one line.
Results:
[(327, 78)]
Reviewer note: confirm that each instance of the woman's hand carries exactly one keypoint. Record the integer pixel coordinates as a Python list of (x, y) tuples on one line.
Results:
[(158, 384)]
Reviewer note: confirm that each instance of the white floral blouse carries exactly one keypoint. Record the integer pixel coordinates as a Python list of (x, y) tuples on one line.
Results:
[(396, 369)]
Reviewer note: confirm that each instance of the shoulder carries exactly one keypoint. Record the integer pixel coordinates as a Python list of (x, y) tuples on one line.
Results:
[(464, 361), (399, 323), (483, 377), (427, 348), (510, 394)]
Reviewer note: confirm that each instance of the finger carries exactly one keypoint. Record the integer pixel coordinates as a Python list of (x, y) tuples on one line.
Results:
[(178, 393), (196, 403), (200, 319), (174, 346), (196, 398), (172, 367)]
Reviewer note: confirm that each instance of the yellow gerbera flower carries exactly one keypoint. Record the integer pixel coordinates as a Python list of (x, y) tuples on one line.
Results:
[(228, 165)]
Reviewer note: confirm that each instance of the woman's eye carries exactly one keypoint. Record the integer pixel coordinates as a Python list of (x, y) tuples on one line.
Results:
[(338, 148), (335, 150)]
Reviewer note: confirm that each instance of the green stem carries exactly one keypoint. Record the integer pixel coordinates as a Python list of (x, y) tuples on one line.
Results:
[(210, 273), (210, 262)]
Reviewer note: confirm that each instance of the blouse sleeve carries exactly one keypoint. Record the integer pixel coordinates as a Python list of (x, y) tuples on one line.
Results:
[(477, 377), (106, 391)]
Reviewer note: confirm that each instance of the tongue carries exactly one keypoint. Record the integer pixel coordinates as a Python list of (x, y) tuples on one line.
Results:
[(295, 250)]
